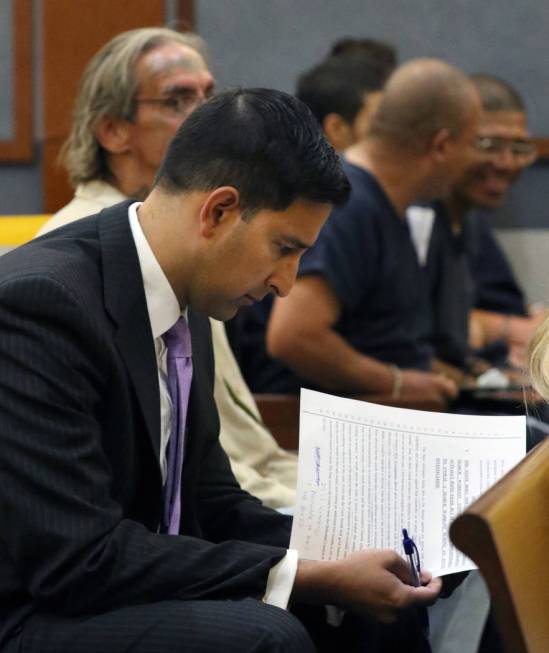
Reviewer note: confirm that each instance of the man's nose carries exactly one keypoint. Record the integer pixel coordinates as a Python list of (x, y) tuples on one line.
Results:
[(506, 160), (203, 93), (283, 278)]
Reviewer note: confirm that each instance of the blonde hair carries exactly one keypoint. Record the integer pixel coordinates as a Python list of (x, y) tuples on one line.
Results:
[(108, 88), (538, 358)]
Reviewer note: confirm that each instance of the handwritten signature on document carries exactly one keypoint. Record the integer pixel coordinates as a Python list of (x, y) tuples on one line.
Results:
[(317, 466)]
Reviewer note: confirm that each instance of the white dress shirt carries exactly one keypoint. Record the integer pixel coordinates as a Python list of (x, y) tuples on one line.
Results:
[(164, 311)]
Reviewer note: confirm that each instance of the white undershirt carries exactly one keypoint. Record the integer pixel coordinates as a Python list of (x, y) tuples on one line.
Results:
[(164, 311)]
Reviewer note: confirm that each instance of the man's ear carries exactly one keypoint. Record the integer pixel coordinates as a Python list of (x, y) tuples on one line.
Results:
[(441, 144), (113, 134), (338, 131), (220, 208)]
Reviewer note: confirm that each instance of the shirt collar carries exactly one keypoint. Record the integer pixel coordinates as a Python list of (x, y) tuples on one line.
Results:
[(100, 192), (162, 304)]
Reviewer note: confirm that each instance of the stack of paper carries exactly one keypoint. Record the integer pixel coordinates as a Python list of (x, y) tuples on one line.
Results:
[(368, 471)]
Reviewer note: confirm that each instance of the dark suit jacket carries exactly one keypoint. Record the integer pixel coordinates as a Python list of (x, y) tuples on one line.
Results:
[(80, 486)]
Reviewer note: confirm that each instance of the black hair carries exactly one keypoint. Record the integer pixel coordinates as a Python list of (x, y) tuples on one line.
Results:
[(497, 95), (339, 84), (265, 143), (382, 53)]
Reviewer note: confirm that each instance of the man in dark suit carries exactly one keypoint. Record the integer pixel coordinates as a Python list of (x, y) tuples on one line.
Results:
[(88, 562)]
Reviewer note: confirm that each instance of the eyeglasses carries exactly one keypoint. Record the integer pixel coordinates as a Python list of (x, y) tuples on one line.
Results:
[(522, 149), (178, 102)]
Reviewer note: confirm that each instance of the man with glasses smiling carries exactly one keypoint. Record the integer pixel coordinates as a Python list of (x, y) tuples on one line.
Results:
[(500, 310), (476, 299)]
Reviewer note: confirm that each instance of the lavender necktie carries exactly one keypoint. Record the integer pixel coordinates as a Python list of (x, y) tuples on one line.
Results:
[(180, 374)]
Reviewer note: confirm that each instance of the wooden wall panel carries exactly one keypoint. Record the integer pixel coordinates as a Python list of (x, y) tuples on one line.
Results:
[(186, 15), (19, 148), (73, 31), (542, 143)]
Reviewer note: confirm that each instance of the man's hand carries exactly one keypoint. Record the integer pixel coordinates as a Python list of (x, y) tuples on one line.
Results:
[(378, 582), (457, 374), (515, 330), (428, 384), (375, 581)]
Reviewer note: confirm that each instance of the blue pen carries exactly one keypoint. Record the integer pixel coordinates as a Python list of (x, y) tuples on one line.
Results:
[(410, 549)]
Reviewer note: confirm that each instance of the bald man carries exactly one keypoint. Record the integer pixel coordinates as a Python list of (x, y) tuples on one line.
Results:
[(356, 321)]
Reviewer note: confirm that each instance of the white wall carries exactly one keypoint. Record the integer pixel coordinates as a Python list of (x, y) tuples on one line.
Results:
[(528, 251)]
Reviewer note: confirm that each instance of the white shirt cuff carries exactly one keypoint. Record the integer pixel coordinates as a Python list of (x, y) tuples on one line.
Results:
[(281, 580)]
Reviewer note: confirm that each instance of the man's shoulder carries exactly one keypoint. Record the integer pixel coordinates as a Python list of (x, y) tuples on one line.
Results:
[(367, 201), (72, 255), (60, 256)]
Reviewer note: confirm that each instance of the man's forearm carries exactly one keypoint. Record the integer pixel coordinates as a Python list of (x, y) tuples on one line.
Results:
[(511, 329), (488, 327), (325, 358)]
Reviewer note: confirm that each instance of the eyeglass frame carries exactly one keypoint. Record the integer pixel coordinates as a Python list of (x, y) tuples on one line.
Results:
[(178, 101), (500, 143)]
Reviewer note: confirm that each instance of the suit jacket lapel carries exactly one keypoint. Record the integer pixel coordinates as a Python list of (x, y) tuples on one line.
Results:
[(126, 304), (200, 409)]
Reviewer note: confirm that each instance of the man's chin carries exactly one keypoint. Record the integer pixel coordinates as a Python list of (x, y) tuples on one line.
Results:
[(140, 194), (228, 309), (491, 194), (223, 313), (488, 201)]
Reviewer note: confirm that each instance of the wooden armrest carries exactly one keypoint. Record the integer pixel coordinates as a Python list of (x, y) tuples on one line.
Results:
[(506, 533), (281, 416)]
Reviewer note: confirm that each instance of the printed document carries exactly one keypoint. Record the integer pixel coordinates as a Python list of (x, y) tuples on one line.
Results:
[(368, 471)]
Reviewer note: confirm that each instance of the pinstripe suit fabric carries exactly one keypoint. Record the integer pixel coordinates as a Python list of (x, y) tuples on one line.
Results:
[(80, 487), (172, 627)]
